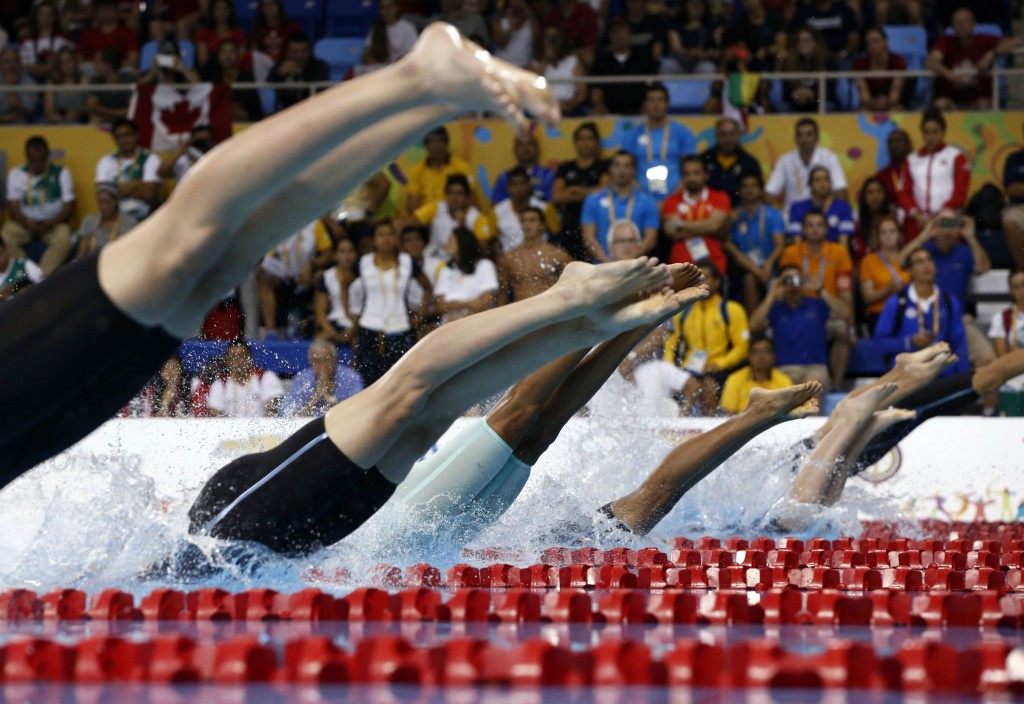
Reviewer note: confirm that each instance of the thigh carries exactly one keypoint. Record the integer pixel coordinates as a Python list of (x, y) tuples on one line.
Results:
[(59, 235), (14, 233), (798, 373), (979, 348)]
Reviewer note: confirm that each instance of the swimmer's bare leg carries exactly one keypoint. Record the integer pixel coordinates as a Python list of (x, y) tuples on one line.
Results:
[(697, 457), (853, 416), (997, 372), (150, 274)]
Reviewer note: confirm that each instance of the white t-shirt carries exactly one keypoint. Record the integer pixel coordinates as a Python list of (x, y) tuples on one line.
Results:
[(457, 286), (566, 68), (336, 312), (519, 49), (510, 230), (143, 167), (997, 330), (443, 223), (32, 49), (379, 298), (789, 177), (401, 37), (38, 195), (247, 400), (287, 259)]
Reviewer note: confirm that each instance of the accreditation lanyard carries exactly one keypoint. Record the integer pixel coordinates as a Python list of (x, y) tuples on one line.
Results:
[(39, 189), (650, 144), (611, 206), (1012, 332), (383, 285), (342, 290), (821, 267), (888, 265), (935, 314)]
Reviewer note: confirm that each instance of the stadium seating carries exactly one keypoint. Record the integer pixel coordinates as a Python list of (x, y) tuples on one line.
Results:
[(148, 54), (351, 18), (308, 14), (341, 54), (911, 42), (687, 96)]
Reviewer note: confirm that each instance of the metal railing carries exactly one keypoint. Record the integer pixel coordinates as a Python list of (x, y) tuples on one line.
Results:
[(822, 79)]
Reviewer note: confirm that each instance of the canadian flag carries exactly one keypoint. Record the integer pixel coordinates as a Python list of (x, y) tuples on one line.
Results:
[(165, 115)]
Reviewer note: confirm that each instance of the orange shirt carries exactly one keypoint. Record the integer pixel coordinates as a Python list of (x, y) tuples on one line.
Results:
[(698, 208), (833, 266), (880, 272)]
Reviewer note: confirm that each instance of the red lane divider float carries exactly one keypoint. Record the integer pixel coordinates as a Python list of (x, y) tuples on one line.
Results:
[(917, 666), (786, 606)]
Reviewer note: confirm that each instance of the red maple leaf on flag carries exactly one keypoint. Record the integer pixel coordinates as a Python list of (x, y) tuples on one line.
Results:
[(180, 117)]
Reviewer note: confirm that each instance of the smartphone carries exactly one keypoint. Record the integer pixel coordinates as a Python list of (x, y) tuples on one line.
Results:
[(951, 222), (165, 60), (792, 280)]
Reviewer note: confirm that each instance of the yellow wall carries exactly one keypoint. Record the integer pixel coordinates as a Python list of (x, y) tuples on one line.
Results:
[(987, 138)]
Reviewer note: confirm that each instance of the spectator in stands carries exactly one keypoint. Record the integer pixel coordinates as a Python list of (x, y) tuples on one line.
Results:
[(578, 23), (727, 162), (65, 107), (621, 200), (759, 374), (107, 31), (659, 144), (470, 24), (696, 218), (963, 60), (168, 66), (245, 392), (879, 94), (938, 176), (40, 204), (16, 107), (428, 179), (200, 140), (515, 31), (391, 35), (43, 40), (889, 12), (415, 239), (799, 325), (619, 58), (454, 210), (921, 314), (469, 284), (826, 267), (838, 213), (761, 30), (881, 270), (574, 181), (756, 240), (168, 395), (957, 257), (533, 266), (286, 279), (1007, 329), (716, 337), (508, 212), (16, 273), (897, 172), (219, 25), (807, 54), (325, 382), (873, 204), (272, 28), (226, 67), (331, 300), (298, 66), (836, 24), (789, 180), (378, 304), (556, 63), (1013, 216), (106, 224), (107, 106), (692, 44), (358, 210), (133, 169), (526, 150), (647, 32)]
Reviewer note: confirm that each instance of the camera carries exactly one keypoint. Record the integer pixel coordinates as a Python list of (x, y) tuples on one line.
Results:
[(792, 280), (951, 222), (165, 60)]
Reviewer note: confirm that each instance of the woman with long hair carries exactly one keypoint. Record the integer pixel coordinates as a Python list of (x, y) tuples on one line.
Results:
[(65, 107), (43, 40), (331, 300), (225, 66), (469, 284), (271, 29), (873, 203), (881, 271), (219, 25), (807, 54), (557, 61)]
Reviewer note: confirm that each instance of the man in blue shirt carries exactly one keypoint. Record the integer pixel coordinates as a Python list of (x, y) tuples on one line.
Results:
[(756, 239), (527, 152), (838, 213), (322, 384), (1013, 216), (921, 315), (658, 145), (621, 200)]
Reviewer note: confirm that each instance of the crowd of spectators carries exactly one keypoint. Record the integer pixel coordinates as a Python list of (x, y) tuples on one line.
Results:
[(804, 267), (187, 41)]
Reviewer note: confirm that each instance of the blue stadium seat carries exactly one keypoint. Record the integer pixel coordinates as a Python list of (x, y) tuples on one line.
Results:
[(847, 93), (309, 15), (911, 42), (687, 96), (268, 100), (148, 53), (352, 18), (245, 13), (340, 54), (983, 29)]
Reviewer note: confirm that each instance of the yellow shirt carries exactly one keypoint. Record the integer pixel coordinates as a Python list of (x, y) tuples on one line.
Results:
[(736, 392), (704, 329), (427, 183)]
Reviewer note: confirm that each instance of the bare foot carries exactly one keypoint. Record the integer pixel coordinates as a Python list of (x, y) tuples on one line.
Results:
[(596, 286), (779, 402), (685, 276), (924, 372), (458, 70), (884, 419), (654, 308), (858, 408), (922, 355)]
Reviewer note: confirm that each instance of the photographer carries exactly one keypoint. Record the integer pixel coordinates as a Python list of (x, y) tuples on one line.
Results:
[(799, 325), (168, 67)]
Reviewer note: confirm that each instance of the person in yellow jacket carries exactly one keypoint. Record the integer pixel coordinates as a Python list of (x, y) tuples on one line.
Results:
[(759, 374), (710, 340)]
